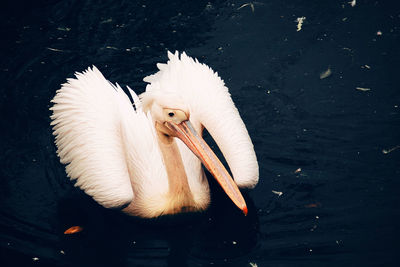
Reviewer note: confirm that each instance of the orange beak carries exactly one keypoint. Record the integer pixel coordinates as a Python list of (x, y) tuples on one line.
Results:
[(199, 147)]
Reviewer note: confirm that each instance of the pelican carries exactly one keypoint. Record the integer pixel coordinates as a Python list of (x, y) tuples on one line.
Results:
[(145, 158)]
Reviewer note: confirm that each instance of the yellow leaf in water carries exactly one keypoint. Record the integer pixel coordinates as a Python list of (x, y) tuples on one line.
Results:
[(325, 74)]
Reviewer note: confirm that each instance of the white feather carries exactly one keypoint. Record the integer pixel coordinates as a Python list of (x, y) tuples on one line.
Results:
[(105, 143), (210, 104), (111, 148)]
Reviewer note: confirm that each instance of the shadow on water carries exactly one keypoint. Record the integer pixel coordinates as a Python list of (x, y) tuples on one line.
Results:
[(222, 235)]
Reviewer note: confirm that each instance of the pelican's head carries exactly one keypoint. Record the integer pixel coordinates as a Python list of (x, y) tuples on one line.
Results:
[(185, 97)]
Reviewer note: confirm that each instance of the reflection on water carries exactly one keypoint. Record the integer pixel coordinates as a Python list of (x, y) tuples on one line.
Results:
[(319, 141)]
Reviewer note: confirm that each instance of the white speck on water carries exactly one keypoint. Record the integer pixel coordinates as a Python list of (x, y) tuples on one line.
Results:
[(325, 74), (387, 151), (277, 193), (251, 5), (106, 21), (253, 264), (364, 89), (234, 242), (54, 49), (62, 252), (352, 3), (35, 258), (300, 22), (66, 29)]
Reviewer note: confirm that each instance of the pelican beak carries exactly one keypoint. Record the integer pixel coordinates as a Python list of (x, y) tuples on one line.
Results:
[(199, 147)]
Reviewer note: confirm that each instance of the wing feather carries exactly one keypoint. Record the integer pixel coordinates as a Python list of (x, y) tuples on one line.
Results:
[(89, 128)]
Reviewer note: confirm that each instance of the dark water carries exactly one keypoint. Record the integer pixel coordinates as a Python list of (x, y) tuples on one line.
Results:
[(342, 208)]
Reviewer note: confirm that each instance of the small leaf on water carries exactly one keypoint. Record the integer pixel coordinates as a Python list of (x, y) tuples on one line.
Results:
[(73, 230)]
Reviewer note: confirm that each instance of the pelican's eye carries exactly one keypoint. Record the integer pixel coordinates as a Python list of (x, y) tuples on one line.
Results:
[(175, 115)]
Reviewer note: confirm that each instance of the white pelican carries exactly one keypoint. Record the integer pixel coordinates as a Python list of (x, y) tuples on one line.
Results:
[(146, 160)]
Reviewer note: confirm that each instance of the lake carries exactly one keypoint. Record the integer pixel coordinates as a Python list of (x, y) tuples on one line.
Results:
[(316, 83)]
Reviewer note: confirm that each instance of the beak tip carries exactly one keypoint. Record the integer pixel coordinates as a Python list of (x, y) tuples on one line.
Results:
[(245, 210)]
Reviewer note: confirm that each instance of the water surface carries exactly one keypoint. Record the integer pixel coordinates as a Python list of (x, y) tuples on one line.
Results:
[(328, 145)]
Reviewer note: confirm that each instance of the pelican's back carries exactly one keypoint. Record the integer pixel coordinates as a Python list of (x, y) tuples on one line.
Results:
[(107, 145)]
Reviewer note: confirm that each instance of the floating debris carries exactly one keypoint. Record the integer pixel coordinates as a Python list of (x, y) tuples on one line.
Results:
[(66, 29), (234, 242), (253, 264), (277, 193), (106, 21), (247, 4), (352, 3), (297, 171), (364, 89), (387, 151), (62, 252), (313, 205), (379, 33), (35, 258), (54, 49), (251, 5), (325, 74), (73, 230), (209, 6), (366, 67), (300, 21), (111, 47)]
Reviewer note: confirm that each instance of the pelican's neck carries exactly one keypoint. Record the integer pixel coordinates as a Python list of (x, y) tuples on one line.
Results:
[(179, 194)]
